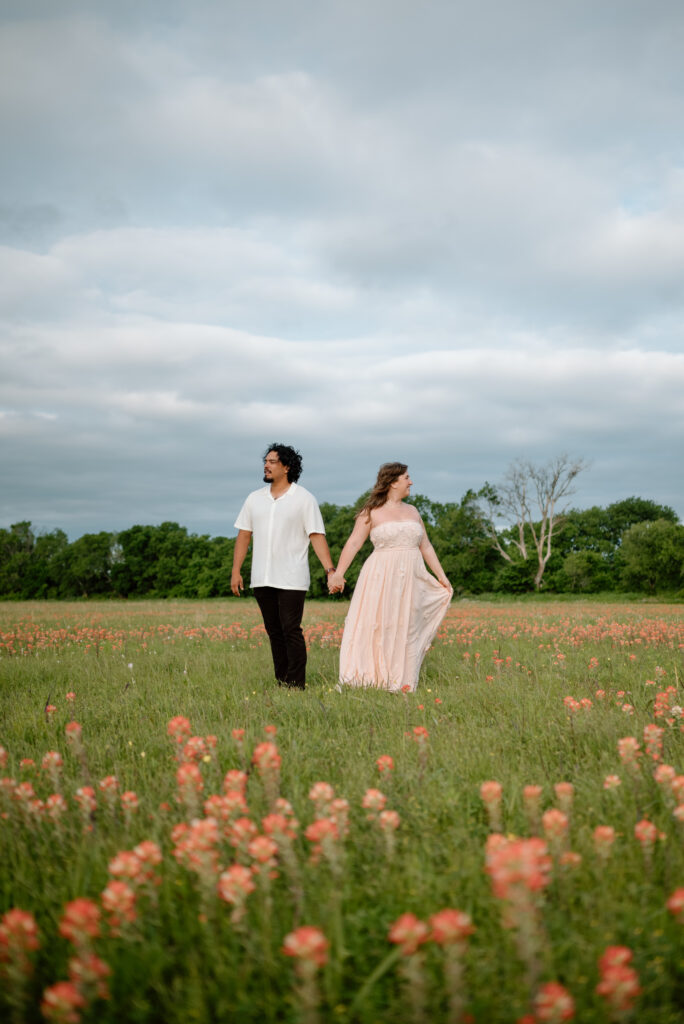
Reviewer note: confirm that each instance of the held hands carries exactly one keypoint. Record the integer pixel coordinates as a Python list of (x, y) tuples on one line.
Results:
[(336, 583)]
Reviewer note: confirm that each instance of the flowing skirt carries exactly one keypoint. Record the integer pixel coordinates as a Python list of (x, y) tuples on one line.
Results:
[(395, 611)]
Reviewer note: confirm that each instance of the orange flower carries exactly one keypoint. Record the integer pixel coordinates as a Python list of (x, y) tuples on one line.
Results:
[(307, 944), (61, 1003), (553, 1003), (675, 905), (408, 932), (179, 729), (450, 927), (80, 922), (385, 763), (18, 938)]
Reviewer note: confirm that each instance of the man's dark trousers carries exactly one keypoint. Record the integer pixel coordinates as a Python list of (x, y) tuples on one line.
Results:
[(282, 612)]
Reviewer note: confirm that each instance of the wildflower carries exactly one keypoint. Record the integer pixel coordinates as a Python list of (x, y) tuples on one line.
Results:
[(263, 851), (450, 927), (150, 856), (235, 780), (179, 729), (604, 837), (61, 1003), (675, 905), (109, 786), (240, 833), (129, 801), (339, 813), (570, 859), (555, 825), (270, 730), (389, 821), (565, 792), (628, 749), (70, 696), (653, 741), (26, 764), (85, 798), (118, 899), (190, 785), (600, 694), (553, 1003), (571, 704), (307, 944), (18, 938), (646, 833), (80, 922), (619, 984), (266, 758), (194, 750), (73, 734), (373, 801), (490, 793), (323, 834), (322, 794), (309, 947), (663, 775), (55, 806), (612, 782), (88, 973), (408, 932), (234, 886), (196, 849), (678, 788), (3, 758), (385, 763), (49, 711), (126, 864), (267, 761)]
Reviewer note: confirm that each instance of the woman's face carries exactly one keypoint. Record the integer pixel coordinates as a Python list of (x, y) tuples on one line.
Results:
[(401, 488)]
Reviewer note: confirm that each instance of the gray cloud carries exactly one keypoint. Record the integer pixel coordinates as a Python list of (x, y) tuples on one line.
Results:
[(451, 234)]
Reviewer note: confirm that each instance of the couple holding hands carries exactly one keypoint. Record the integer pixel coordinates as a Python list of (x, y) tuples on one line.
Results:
[(397, 604)]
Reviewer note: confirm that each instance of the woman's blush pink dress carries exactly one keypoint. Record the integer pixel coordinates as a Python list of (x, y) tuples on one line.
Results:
[(395, 611)]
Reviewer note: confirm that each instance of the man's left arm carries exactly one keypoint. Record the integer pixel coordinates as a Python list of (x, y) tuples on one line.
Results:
[(320, 546)]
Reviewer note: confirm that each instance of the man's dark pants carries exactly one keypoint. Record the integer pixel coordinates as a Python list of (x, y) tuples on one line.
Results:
[(282, 612)]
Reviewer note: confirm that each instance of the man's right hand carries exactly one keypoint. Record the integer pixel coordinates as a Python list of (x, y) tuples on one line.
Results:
[(236, 584)]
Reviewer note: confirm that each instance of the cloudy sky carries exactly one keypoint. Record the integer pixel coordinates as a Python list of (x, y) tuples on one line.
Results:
[(449, 232)]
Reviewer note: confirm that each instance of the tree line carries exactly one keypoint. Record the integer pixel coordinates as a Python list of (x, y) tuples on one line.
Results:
[(633, 545)]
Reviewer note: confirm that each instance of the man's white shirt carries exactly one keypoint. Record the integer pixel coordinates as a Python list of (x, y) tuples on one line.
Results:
[(280, 529)]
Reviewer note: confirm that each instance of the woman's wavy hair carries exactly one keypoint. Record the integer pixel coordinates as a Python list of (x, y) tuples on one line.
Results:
[(289, 457), (387, 474)]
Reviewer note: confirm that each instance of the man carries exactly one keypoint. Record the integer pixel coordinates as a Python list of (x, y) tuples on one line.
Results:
[(282, 518)]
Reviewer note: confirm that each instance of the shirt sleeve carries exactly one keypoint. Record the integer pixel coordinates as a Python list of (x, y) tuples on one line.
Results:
[(244, 519), (313, 520)]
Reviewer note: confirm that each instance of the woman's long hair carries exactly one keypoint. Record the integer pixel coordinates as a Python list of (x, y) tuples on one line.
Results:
[(387, 474)]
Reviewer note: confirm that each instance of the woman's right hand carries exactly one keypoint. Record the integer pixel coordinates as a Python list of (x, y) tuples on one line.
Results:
[(336, 583)]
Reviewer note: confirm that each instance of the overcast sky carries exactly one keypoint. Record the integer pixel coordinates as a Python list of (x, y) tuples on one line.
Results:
[(449, 233)]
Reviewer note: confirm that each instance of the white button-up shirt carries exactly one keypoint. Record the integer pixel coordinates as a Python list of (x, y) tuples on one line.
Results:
[(280, 529)]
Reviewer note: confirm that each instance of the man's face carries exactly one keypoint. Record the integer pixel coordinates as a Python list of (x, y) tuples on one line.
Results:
[(274, 471)]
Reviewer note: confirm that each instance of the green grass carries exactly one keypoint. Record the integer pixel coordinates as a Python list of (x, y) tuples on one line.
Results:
[(503, 719)]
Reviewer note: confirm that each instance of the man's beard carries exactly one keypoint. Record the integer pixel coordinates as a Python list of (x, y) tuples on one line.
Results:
[(267, 479)]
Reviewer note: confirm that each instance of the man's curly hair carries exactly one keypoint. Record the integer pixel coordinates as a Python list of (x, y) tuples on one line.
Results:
[(289, 457)]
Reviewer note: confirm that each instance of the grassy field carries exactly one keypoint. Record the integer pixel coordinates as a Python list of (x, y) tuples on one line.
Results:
[(526, 695)]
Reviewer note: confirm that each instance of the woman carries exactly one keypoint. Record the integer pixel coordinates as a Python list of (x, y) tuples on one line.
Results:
[(397, 605)]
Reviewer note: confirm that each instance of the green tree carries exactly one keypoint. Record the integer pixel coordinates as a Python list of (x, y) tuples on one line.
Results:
[(16, 558), (87, 564), (653, 556)]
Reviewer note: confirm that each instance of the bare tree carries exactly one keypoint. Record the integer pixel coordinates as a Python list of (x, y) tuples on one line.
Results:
[(529, 496)]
